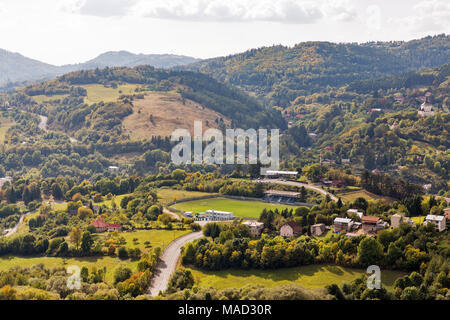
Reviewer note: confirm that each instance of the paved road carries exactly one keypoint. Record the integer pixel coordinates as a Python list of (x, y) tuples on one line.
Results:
[(299, 184), (16, 227), (168, 262), (174, 215)]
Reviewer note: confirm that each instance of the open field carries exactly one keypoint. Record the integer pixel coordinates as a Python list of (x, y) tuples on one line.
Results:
[(43, 98), (98, 92), (169, 112), (5, 124), (244, 209), (157, 238), (111, 263), (117, 200), (312, 276), (352, 196), (166, 195)]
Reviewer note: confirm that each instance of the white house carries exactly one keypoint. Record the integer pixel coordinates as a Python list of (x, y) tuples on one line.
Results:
[(215, 215), (255, 227), (438, 221), (355, 211), (290, 229)]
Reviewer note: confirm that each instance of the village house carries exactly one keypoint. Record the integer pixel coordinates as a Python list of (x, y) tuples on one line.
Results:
[(447, 213), (290, 229), (438, 221), (342, 224), (255, 227), (355, 212), (426, 109), (372, 224), (317, 229), (102, 226), (396, 219)]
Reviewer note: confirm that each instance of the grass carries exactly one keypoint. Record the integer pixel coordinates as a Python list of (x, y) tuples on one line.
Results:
[(352, 196), (312, 276), (5, 124), (98, 92), (111, 263), (166, 195), (418, 220), (244, 209), (43, 98), (168, 111), (156, 237), (117, 199)]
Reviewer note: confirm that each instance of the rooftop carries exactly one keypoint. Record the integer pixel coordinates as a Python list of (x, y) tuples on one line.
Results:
[(370, 219), (282, 193), (342, 220), (432, 217)]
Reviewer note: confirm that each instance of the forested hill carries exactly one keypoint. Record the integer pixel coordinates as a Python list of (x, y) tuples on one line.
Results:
[(242, 110), (280, 74)]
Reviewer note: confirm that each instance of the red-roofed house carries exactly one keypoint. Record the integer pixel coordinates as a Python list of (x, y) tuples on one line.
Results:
[(372, 224), (100, 225), (290, 229)]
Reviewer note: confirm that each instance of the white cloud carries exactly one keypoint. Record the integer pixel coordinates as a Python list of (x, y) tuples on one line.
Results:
[(373, 21), (284, 11), (340, 10), (429, 16)]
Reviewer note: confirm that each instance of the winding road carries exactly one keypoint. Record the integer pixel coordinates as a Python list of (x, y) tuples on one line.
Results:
[(16, 227), (298, 184), (168, 263)]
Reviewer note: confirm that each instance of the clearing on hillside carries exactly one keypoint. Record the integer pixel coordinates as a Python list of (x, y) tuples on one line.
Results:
[(159, 114)]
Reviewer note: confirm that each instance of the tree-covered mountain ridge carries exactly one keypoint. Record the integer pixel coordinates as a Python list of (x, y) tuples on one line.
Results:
[(279, 74)]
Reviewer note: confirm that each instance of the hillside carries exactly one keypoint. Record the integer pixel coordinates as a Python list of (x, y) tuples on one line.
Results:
[(116, 116), (280, 74), (376, 125), (16, 68)]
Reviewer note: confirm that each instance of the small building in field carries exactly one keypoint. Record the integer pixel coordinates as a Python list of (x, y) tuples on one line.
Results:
[(270, 174), (278, 196), (290, 229), (214, 215), (396, 219), (447, 213), (372, 224), (114, 227), (113, 169), (438, 221), (317, 229), (100, 225), (355, 212), (255, 227), (342, 224)]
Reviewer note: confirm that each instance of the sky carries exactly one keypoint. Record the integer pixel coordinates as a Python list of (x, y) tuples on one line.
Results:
[(73, 31)]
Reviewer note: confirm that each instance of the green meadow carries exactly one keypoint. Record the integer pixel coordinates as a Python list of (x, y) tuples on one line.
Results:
[(312, 276), (243, 209)]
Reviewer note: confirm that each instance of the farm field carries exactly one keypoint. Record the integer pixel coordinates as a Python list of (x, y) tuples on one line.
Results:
[(117, 200), (352, 196), (166, 195), (312, 276), (157, 238), (111, 263), (98, 92), (243, 209), (5, 124)]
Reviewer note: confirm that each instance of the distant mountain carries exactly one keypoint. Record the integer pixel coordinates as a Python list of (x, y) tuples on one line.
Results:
[(128, 59), (280, 74), (14, 67)]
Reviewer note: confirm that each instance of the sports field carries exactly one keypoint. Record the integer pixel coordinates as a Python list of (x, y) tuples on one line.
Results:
[(312, 276), (243, 209)]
